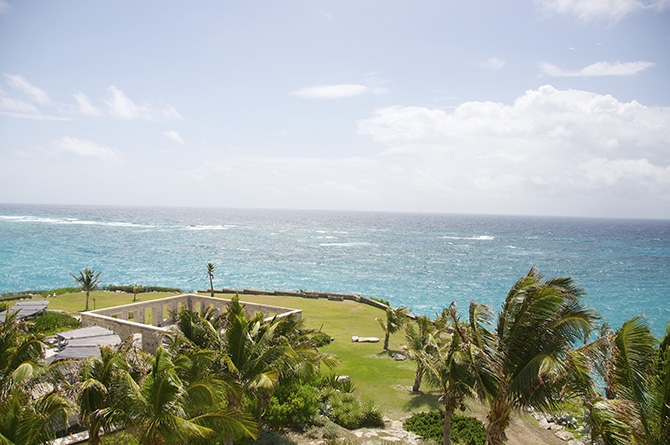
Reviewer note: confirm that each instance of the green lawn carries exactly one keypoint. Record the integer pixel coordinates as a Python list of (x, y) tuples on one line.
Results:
[(76, 302), (375, 374)]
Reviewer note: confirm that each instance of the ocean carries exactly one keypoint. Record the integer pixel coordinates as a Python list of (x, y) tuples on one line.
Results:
[(423, 261)]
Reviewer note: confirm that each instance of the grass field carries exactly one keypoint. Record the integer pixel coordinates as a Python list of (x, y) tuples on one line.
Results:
[(375, 374)]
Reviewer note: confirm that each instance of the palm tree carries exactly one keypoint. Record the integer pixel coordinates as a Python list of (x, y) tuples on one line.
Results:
[(88, 281), (637, 373), (446, 366), (136, 289), (24, 418), (423, 338), (168, 409), (210, 273), (105, 383), (520, 363), (394, 321)]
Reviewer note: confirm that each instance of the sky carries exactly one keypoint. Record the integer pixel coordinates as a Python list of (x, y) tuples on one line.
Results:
[(522, 107)]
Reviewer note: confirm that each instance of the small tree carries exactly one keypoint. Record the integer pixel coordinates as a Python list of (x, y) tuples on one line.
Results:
[(394, 321), (136, 289), (88, 281), (210, 273)]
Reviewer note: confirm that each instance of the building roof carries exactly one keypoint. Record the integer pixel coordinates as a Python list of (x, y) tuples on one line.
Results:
[(25, 309), (91, 331), (78, 344)]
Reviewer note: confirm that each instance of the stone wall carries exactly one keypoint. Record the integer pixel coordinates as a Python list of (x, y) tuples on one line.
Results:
[(131, 319)]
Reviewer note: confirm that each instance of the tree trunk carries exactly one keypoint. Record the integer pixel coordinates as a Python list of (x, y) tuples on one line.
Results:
[(446, 428), (86, 301), (418, 376), (386, 341), (498, 418)]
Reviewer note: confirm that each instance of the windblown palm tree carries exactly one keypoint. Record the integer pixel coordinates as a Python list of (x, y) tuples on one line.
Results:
[(424, 337), (520, 362), (447, 366), (394, 321), (88, 281), (636, 370), (210, 274)]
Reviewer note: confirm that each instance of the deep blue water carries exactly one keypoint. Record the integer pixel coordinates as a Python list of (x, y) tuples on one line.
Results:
[(423, 261)]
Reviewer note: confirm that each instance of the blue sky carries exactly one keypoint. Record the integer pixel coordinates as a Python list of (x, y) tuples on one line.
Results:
[(539, 107)]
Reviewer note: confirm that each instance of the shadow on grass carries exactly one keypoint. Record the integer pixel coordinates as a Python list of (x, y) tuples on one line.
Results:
[(427, 401)]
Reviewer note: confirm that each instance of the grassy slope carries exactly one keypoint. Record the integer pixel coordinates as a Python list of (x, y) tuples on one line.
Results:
[(77, 302), (375, 374)]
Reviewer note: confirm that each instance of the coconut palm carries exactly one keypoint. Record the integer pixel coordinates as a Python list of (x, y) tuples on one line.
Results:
[(210, 274), (637, 373), (88, 281), (105, 383), (394, 321), (446, 366), (32, 409), (421, 336), (168, 409), (520, 363)]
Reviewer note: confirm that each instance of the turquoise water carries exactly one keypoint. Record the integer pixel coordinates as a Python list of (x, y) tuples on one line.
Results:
[(424, 261)]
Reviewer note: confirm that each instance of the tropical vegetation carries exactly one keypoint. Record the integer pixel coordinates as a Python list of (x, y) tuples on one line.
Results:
[(228, 376)]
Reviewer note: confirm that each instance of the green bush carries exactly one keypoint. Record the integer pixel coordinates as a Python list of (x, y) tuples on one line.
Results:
[(321, 339), (346, 410), (51, 322), (292, 405), (264, 438), (464, 430), (120, 438)]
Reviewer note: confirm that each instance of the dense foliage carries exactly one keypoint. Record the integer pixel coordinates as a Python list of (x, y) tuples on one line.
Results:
[(464, 430), (52, 322)]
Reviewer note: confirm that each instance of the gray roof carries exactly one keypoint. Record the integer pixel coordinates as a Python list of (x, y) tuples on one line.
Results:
[(85, 342), (91, 331), (25, 309)]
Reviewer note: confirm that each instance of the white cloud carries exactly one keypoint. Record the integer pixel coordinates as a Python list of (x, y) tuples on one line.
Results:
[(85, 148), (548, 143), (176, 137), (36, 94), (611, 10), (86, 108), (122, 107), (493, 63), (334, 91), (598, 69), (169, 112), (608, 172)]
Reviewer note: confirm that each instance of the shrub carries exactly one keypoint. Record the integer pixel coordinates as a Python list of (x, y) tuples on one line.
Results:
[(371, 417), (292, 406), (464, 430), (52, 322), (321, 339), (120, 438)]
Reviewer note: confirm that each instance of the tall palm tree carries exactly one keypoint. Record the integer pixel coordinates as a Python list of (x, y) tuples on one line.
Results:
[(421, 336), (520, 363), (447, 366), (88, 281), (394, 321), (210, 274)]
